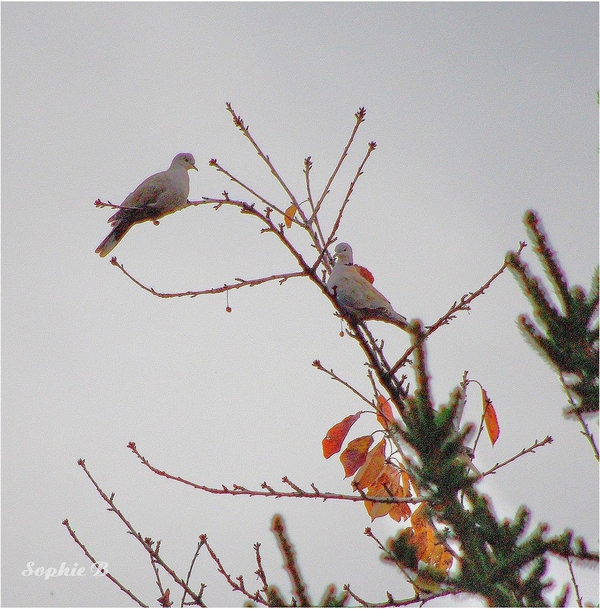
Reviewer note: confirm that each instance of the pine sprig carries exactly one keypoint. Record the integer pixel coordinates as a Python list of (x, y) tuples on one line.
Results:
[(566, 335)]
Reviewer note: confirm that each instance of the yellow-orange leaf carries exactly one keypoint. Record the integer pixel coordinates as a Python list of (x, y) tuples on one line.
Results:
[(372, 467), (374, 508), (400, 511), (290, 212), (388, 485), (445, 561), (366, 273), (355, 454), (490, 418), (419, 519), (385, 486), (423, 583), (425, 539), (407, 482), (385, 415), (440, 561), (332, 442)]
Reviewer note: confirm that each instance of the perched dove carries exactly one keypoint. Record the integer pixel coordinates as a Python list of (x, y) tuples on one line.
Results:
[(161, 194), (355, 294)]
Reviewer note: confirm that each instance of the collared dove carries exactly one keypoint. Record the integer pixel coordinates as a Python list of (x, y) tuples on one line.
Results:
[(161, 194), (355, 294)]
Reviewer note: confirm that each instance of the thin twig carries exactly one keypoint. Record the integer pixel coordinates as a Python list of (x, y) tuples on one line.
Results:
[(236, 587), (146, 542), (163, 594), (271, 492), (95, 562), (586, 430), (189, 575), (240, 283), (360, 118), (317, 364), (461, 305), (531, 449), (579, 599), (336, 224), (219, 168), (244, 129), (319, 238)]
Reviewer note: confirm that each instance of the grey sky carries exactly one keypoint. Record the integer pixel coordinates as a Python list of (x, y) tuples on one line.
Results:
[(480, 111)]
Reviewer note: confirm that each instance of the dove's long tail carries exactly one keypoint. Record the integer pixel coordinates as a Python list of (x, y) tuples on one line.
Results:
[(398, 318), (113, 238)]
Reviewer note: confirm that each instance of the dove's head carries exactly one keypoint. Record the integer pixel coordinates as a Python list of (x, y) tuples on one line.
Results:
[(185, 159), (343, 253)]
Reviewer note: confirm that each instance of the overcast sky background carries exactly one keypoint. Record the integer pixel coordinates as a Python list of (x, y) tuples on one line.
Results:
[(479, 111)]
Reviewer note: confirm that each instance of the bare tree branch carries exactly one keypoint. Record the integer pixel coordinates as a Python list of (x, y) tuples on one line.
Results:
[(268, 491), (146, 542), (531, 449), (113, 579), (240, 283), (360, 118), (461, 305), (236, 587), (239, 123), (336, 224)]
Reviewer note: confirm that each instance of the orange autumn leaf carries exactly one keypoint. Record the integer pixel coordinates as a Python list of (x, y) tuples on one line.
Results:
[(290, 212), (355, 454), (370, 470), (384, 412), (490, 418), (445, 561), (419, 519), (366, 273), (332, 442), (376, 509), (407, 482), (425, 539), (387, 485), (400, 511), (424, 535)]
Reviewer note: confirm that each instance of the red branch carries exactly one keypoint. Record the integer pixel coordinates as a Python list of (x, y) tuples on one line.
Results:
[(224, 288), (461, 305), (269, 491)]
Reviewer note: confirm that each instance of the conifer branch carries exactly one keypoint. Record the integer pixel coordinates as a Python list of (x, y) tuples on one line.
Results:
[(291, 564), (568, 339)]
